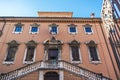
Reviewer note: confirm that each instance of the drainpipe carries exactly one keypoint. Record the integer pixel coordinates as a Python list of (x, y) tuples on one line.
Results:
[(1, 31)]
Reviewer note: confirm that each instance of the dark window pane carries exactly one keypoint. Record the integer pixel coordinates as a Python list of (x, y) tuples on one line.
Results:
[(34, 29), (18, 29), (11, 54), (53, 54), (75, 53), (93, 53), (88, 29), (72, 29), (54, 29), (30, 54)]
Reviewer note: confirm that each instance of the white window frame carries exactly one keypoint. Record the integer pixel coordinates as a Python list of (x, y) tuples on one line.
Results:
[(71, 58), (94, 62), (51, 28), (88, 32), (17, 32), (33, 32), (25, 55), (72, 32)]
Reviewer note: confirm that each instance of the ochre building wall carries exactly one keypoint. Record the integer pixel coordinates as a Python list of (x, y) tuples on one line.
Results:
[(105, 66)]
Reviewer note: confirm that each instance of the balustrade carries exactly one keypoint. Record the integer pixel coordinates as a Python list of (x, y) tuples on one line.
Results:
[(89, 75)]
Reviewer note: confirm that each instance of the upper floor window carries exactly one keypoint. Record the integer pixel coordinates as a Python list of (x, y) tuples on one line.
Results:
[(18, 28), (34, 28), (72, 29), (93, 52), (88, 29), (11, 51), (30, 52), (53, 29), (75, 52)]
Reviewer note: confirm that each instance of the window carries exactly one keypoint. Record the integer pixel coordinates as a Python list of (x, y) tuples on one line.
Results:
[(53, 54), (53, 29), (11, 51), (11, 54), (75, 52), (18, 28), (30, 52), (52, 49), (88, 29), (34, 29), (93, 53), (72, 29)]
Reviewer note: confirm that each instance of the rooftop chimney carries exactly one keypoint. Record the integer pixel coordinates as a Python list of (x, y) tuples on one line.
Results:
[(92, 15)]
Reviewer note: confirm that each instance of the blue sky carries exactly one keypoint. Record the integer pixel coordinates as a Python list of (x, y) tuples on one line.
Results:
[(80, 8)]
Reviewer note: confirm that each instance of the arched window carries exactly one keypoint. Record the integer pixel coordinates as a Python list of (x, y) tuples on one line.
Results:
[(92, 46), (11, 51), (75, 52)]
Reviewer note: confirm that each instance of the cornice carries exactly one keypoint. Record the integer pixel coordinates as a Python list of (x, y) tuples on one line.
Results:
[(50, 19)]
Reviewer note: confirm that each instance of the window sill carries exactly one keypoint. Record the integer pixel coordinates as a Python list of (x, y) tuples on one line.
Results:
[(73, 33), (28, 62), (8, 62), (17, 32), (89, 33), (53, 33), (33, 32), (95, 62), (77, 62)]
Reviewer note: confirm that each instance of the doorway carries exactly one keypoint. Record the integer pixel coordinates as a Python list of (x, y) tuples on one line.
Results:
[(51, 76)]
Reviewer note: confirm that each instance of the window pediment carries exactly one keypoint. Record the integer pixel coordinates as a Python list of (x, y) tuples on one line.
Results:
[(52, 25), (74, 43), (87, 25), (13, 43), (53, 41), (72, 25), (35, 25), (31, 43), (19, 24), (92, 43)]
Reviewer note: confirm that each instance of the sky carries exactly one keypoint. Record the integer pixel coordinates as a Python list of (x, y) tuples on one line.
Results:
[(29, 8)]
